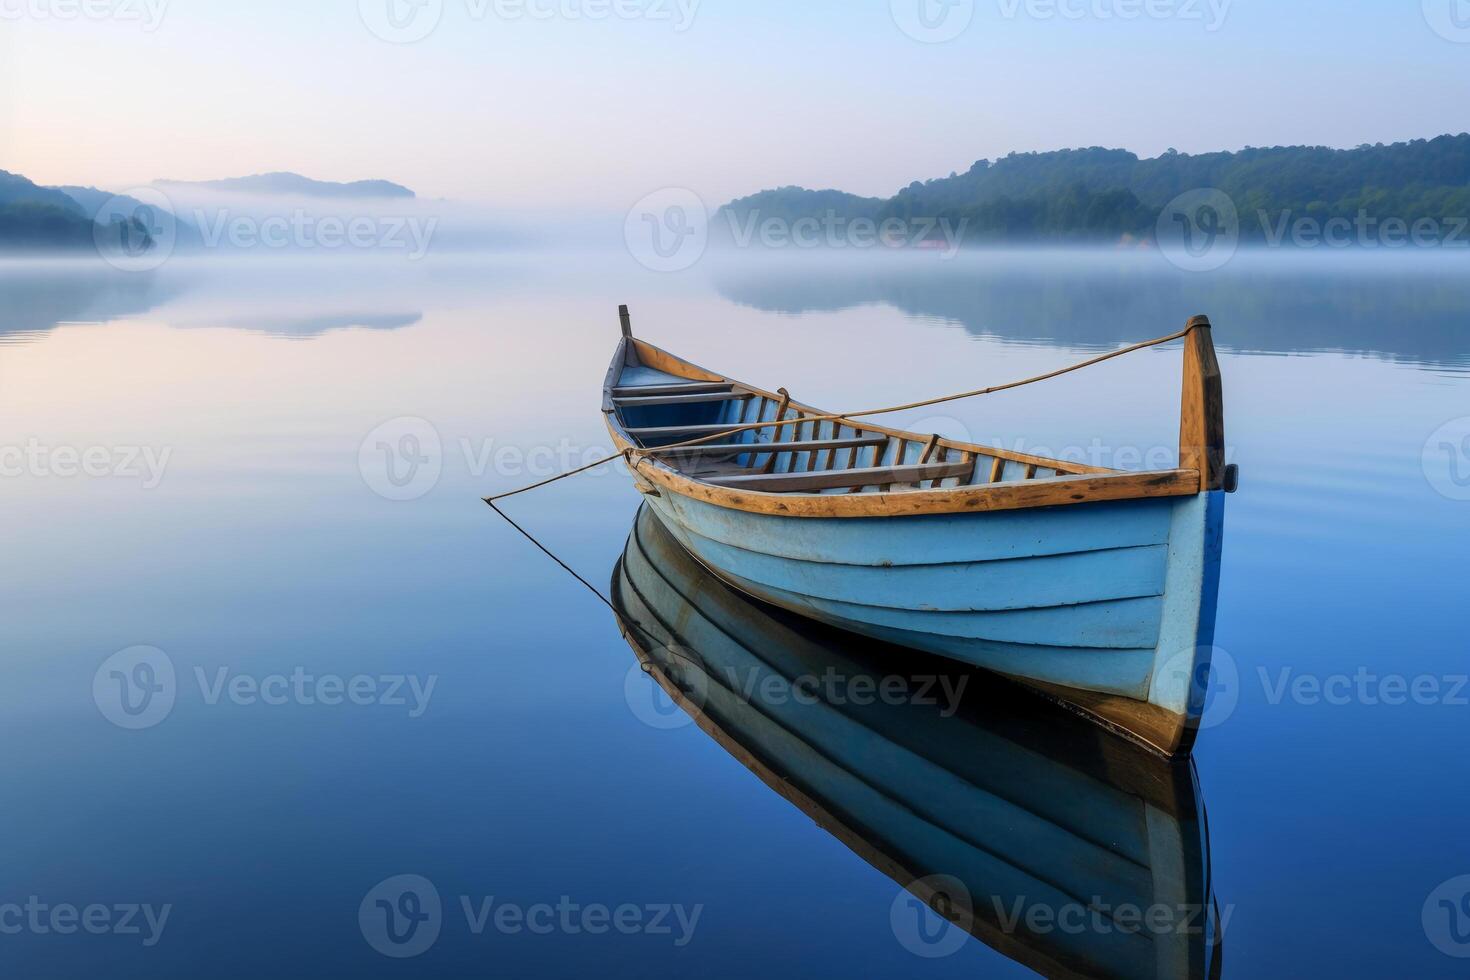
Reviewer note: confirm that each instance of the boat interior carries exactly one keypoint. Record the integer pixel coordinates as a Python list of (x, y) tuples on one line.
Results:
[(659, 401)]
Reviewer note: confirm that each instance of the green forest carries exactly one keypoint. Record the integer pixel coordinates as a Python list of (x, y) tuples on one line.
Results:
[(1108, 195)]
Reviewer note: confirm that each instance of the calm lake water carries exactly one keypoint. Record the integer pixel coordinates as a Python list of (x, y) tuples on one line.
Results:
[(343, 687)]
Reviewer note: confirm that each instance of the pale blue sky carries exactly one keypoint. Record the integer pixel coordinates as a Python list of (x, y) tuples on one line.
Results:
[(521, 111)]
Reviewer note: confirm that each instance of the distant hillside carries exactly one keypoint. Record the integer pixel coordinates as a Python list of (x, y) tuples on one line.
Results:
[(1103, 194), (93, 200), (39, 218), (294, 185), (14, 188)]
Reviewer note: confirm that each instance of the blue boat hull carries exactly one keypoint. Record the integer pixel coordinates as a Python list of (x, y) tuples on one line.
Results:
[(1097, 587), (1112, 599)]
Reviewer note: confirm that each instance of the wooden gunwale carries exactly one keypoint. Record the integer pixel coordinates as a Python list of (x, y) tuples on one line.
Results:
[(1074, 483)]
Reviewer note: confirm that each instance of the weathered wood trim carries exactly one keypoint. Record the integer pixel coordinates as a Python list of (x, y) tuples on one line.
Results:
[(1055, 491), (1157, 729), (1202, 412)]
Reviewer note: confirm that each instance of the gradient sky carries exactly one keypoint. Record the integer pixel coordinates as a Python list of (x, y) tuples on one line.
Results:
[(757, 93)]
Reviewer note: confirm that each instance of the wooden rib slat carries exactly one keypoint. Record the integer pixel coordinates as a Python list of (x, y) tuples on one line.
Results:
[(808, 482)]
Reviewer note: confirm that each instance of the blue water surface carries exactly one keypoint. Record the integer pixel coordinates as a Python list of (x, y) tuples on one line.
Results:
[(321, 433)]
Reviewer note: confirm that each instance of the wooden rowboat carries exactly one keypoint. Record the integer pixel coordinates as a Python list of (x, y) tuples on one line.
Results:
[(1007, 822), (1094, 586)]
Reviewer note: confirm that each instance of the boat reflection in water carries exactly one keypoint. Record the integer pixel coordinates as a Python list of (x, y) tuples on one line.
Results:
[(1064, 848)]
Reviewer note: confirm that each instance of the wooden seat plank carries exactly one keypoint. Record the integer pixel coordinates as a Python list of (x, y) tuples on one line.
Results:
[(682, 431), (762, 448), (836, 479), (724, 396), (692, 388)]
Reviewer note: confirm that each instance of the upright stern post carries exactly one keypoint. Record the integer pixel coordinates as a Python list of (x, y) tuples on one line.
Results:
[(1202, 413)]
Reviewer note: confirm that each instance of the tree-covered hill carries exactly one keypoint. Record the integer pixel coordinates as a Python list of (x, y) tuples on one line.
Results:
[(1106, 194), (39, 218)]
